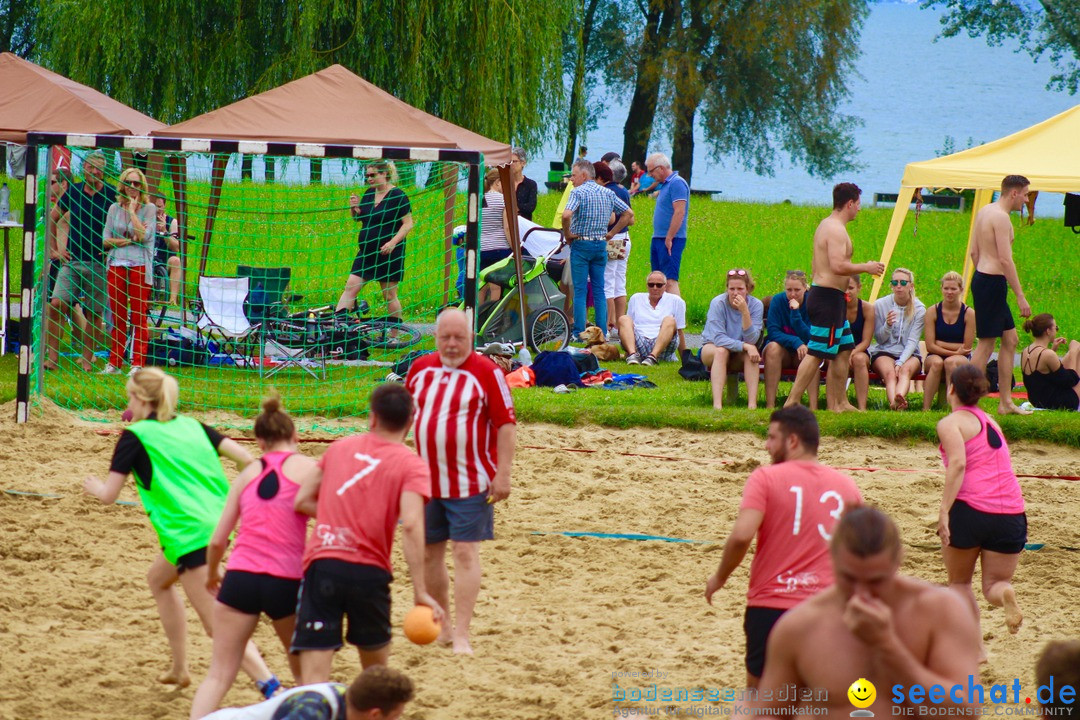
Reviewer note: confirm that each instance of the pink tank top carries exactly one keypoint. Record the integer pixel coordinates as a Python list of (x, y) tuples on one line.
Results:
[(271, 536), (989, 484)]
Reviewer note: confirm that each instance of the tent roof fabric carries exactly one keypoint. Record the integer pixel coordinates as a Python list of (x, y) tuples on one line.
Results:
[(36, 99), (334, 106), (1047, 154)]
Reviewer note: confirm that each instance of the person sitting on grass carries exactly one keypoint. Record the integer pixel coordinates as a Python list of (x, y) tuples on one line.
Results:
[(898, 327), (950, 335), (732, 330), (1052, 383), (860, 315), (651, 323), (789, 331)]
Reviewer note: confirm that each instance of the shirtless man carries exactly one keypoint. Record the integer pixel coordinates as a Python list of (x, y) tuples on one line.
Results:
[(995, 273), (872, 624), (826, 303)]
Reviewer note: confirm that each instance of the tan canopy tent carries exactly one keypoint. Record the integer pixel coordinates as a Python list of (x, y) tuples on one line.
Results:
[(33, 98), (1047, 154), (335, 106)]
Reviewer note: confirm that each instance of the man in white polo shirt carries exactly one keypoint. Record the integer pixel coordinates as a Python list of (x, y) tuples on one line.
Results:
[(647, 330)]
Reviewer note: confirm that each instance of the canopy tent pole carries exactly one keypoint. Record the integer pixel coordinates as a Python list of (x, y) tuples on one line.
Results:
[(217, 178), (449, 186), (510, 198), (903, 200), (982, 199)]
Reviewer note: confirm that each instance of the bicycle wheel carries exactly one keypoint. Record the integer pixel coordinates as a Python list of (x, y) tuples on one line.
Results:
[(549, 329), (388, 334)]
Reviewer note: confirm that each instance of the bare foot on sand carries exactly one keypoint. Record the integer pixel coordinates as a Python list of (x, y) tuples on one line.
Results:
[(462, 647), (1013, 617), (180, 678), (1011, 409)]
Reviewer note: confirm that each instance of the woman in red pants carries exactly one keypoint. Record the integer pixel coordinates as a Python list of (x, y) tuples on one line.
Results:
[(129, 241)]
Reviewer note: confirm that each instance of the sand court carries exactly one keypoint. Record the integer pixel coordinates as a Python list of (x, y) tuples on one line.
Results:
[(559, 618)]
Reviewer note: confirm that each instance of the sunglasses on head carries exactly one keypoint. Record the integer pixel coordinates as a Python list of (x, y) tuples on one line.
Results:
[(736, 273), (656, 285), (901, 283)]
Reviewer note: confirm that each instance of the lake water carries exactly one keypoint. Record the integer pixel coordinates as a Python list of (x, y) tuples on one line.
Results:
[(912, 92)]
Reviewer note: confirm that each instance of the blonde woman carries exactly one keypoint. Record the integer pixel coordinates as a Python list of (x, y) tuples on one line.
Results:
[(129, 241), (182, 487), (950, 336), (387, 219), (898, 327)]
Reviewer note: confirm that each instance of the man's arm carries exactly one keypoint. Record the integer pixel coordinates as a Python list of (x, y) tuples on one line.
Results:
[(841, 264), (742, 534), (625, 220), (411, 509), (505, 442), (1003, 237), (953, 649), (678, 214), (567, 216)]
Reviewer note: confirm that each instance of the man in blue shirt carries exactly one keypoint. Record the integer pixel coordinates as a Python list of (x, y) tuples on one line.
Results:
[(585, 224), (669, 219)]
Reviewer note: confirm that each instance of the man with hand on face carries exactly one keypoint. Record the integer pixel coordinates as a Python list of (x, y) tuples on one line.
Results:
[(465, 429), (875, 625)]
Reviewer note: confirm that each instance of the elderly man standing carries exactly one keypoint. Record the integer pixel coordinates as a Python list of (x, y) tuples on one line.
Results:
[(585, 226), (647, 330), (669, 219), (465, 429)]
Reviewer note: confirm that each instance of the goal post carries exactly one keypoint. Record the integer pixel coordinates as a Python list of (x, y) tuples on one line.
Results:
[(314, 279)]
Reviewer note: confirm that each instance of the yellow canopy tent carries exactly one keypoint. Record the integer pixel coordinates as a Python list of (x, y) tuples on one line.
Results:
[(1047, 154)]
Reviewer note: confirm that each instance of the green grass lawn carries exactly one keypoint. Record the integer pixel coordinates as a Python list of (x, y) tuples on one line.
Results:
[(306, 228)]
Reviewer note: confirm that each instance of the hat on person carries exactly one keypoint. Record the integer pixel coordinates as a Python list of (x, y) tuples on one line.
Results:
[(603, 173)]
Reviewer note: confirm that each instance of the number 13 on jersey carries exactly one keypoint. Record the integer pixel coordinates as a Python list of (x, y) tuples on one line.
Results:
[(829, 496)]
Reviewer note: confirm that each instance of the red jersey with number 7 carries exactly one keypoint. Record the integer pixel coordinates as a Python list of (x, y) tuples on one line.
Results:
[(801, 502), (363, 477), (458, 414)]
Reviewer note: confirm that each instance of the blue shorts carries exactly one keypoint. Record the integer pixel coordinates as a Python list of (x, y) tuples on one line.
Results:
[(667, 264), (469, 519)]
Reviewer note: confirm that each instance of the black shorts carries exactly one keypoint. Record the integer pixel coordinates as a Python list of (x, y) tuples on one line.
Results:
[(333, 590), (990, 298), (256, 593), (970, 528), (757, 624), (191, 561), (830, 332)]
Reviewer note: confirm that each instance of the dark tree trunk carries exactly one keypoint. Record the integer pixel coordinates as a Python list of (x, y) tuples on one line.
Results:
[(682, 136), (577, 90), (316, 170), (639, 120), (690, 82), (268, 163), (245, 167)]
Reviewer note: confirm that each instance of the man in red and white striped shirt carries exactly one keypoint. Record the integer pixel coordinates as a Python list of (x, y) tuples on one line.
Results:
[(465, 429)]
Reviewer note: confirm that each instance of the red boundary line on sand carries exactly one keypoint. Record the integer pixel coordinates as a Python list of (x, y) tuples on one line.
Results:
[(671, 458)]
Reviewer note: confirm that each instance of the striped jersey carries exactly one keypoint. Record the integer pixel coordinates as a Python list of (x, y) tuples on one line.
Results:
[(458, 414)]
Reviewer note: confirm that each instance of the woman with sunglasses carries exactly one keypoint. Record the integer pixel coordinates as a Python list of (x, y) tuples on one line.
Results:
[(898, 327), (950, 335), (387, 219), (732, 329), (129, 240)]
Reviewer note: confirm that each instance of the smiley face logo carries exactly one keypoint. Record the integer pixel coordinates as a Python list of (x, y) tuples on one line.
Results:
[(862, 693)]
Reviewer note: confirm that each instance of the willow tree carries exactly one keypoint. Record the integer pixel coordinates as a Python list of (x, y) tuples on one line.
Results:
[(767, 77), (486, 65), (1050, 27)]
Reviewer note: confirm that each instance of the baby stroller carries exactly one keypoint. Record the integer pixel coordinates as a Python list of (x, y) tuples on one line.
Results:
[(546, 325)]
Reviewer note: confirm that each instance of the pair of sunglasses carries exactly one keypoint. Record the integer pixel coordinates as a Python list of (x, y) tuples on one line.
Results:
[(656, 284), (736, 273), (901, 283)]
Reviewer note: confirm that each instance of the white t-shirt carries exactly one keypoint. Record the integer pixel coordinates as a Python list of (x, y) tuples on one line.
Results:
[(647, 318)]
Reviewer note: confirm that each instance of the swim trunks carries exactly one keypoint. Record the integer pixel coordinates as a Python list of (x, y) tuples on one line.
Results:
[(989, 295), (830, 332)]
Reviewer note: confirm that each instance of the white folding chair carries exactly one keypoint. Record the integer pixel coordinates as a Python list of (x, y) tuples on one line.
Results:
[(223, 316)]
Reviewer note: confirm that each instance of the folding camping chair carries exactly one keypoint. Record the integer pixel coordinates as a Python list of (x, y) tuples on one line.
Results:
[(223, 318), (267, 299)]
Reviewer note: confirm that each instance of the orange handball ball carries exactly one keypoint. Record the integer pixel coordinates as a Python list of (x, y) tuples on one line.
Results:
[(420, 625)]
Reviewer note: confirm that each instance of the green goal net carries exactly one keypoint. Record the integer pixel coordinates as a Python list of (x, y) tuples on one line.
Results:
[(312, 276)]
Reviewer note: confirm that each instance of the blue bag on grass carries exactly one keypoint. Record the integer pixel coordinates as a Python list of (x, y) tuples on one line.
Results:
[(556, 368)]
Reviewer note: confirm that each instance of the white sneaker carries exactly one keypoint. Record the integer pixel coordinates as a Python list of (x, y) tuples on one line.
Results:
[(633, 359), (110, 369), (134, 370)]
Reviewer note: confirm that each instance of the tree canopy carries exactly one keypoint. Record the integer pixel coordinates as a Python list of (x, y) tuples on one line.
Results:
[(491, 66), (1050, 27)]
